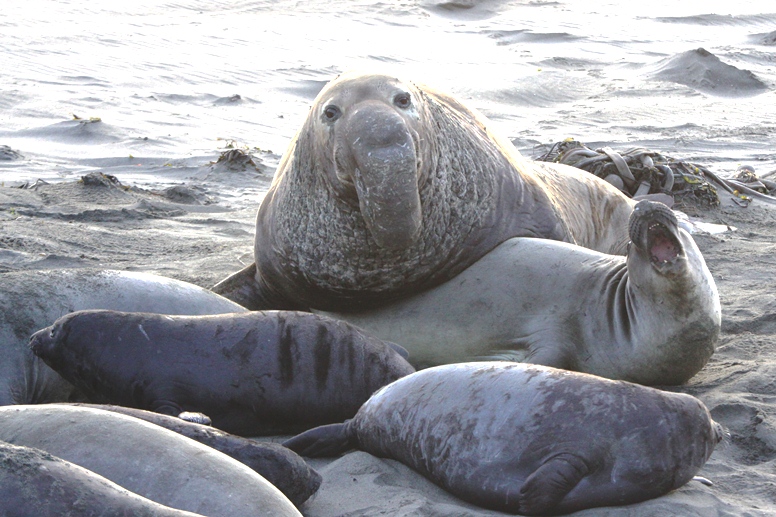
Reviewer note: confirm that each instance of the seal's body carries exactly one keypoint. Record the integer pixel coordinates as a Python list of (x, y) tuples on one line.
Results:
[(287, 471), (652, 317), (33, 299), (390, 188), (35, 483), (529, 439), (252, 373), (146, 459)]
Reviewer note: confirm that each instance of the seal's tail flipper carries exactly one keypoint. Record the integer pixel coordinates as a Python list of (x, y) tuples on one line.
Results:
[(323, 441)]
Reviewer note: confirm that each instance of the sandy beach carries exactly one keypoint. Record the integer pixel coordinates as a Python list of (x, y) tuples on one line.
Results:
[(102, 224)]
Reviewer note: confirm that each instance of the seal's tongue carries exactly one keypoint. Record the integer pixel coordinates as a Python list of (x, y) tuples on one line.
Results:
[(386, 177)]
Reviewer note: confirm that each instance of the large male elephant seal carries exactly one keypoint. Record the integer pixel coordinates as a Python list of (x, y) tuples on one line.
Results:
[(529, 439), (145, 459), (652, 317), (390, 188), (33, 483), (33, 299), (252, 373)]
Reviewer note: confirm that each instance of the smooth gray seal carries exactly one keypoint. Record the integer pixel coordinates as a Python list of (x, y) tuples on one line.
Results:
[(652, 317), (145, 459), (31, 300), (529, 439), (33, 483), (252, 373), (390, 188), (287, 471)]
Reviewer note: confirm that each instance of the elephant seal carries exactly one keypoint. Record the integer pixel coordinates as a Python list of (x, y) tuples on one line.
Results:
[(286, 470), (145, 459), (390, 188), (529, 439), (652, 317), (33, 483), (33, 299), (252, 373)]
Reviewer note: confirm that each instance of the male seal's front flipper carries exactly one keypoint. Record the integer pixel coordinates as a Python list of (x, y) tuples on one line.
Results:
[(244, 288), (240, 287), (549, 484)]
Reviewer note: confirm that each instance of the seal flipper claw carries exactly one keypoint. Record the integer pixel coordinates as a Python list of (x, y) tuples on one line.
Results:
[(323, 441), (195, 418), (549, 484), (167, 407)]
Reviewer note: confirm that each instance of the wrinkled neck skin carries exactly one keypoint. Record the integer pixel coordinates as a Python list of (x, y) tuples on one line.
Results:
[(662, 326), (318, 242)]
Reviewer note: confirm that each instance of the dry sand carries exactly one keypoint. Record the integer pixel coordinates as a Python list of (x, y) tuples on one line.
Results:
[(202, 230)]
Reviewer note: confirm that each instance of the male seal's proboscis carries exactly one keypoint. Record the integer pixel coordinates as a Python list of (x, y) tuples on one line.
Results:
[(252, 373), (390, 188), (529, 439), (652, 317)]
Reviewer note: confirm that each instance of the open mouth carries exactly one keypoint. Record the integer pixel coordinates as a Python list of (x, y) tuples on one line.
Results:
[(652, 229), (662, 244)]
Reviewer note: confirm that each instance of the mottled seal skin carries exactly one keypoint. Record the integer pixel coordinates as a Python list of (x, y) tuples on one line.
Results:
[(33, 483), (529, 439), (652, 317), (391, 187), (283, 468), (251, 373), (146, 459), (33, 299)]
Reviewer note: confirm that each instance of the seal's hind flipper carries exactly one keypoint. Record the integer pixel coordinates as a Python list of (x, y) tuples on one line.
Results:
[(549, 484), (323, 441)]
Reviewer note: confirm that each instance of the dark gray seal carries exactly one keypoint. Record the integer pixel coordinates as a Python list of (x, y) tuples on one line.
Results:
[(283, 468), (33, 299), (145, 459), (390, 188), (652, 317), (33, 483), (529, 439), (251, 373)]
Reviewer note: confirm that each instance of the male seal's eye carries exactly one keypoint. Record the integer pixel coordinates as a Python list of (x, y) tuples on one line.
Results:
[(331, 113), (403, 100)]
